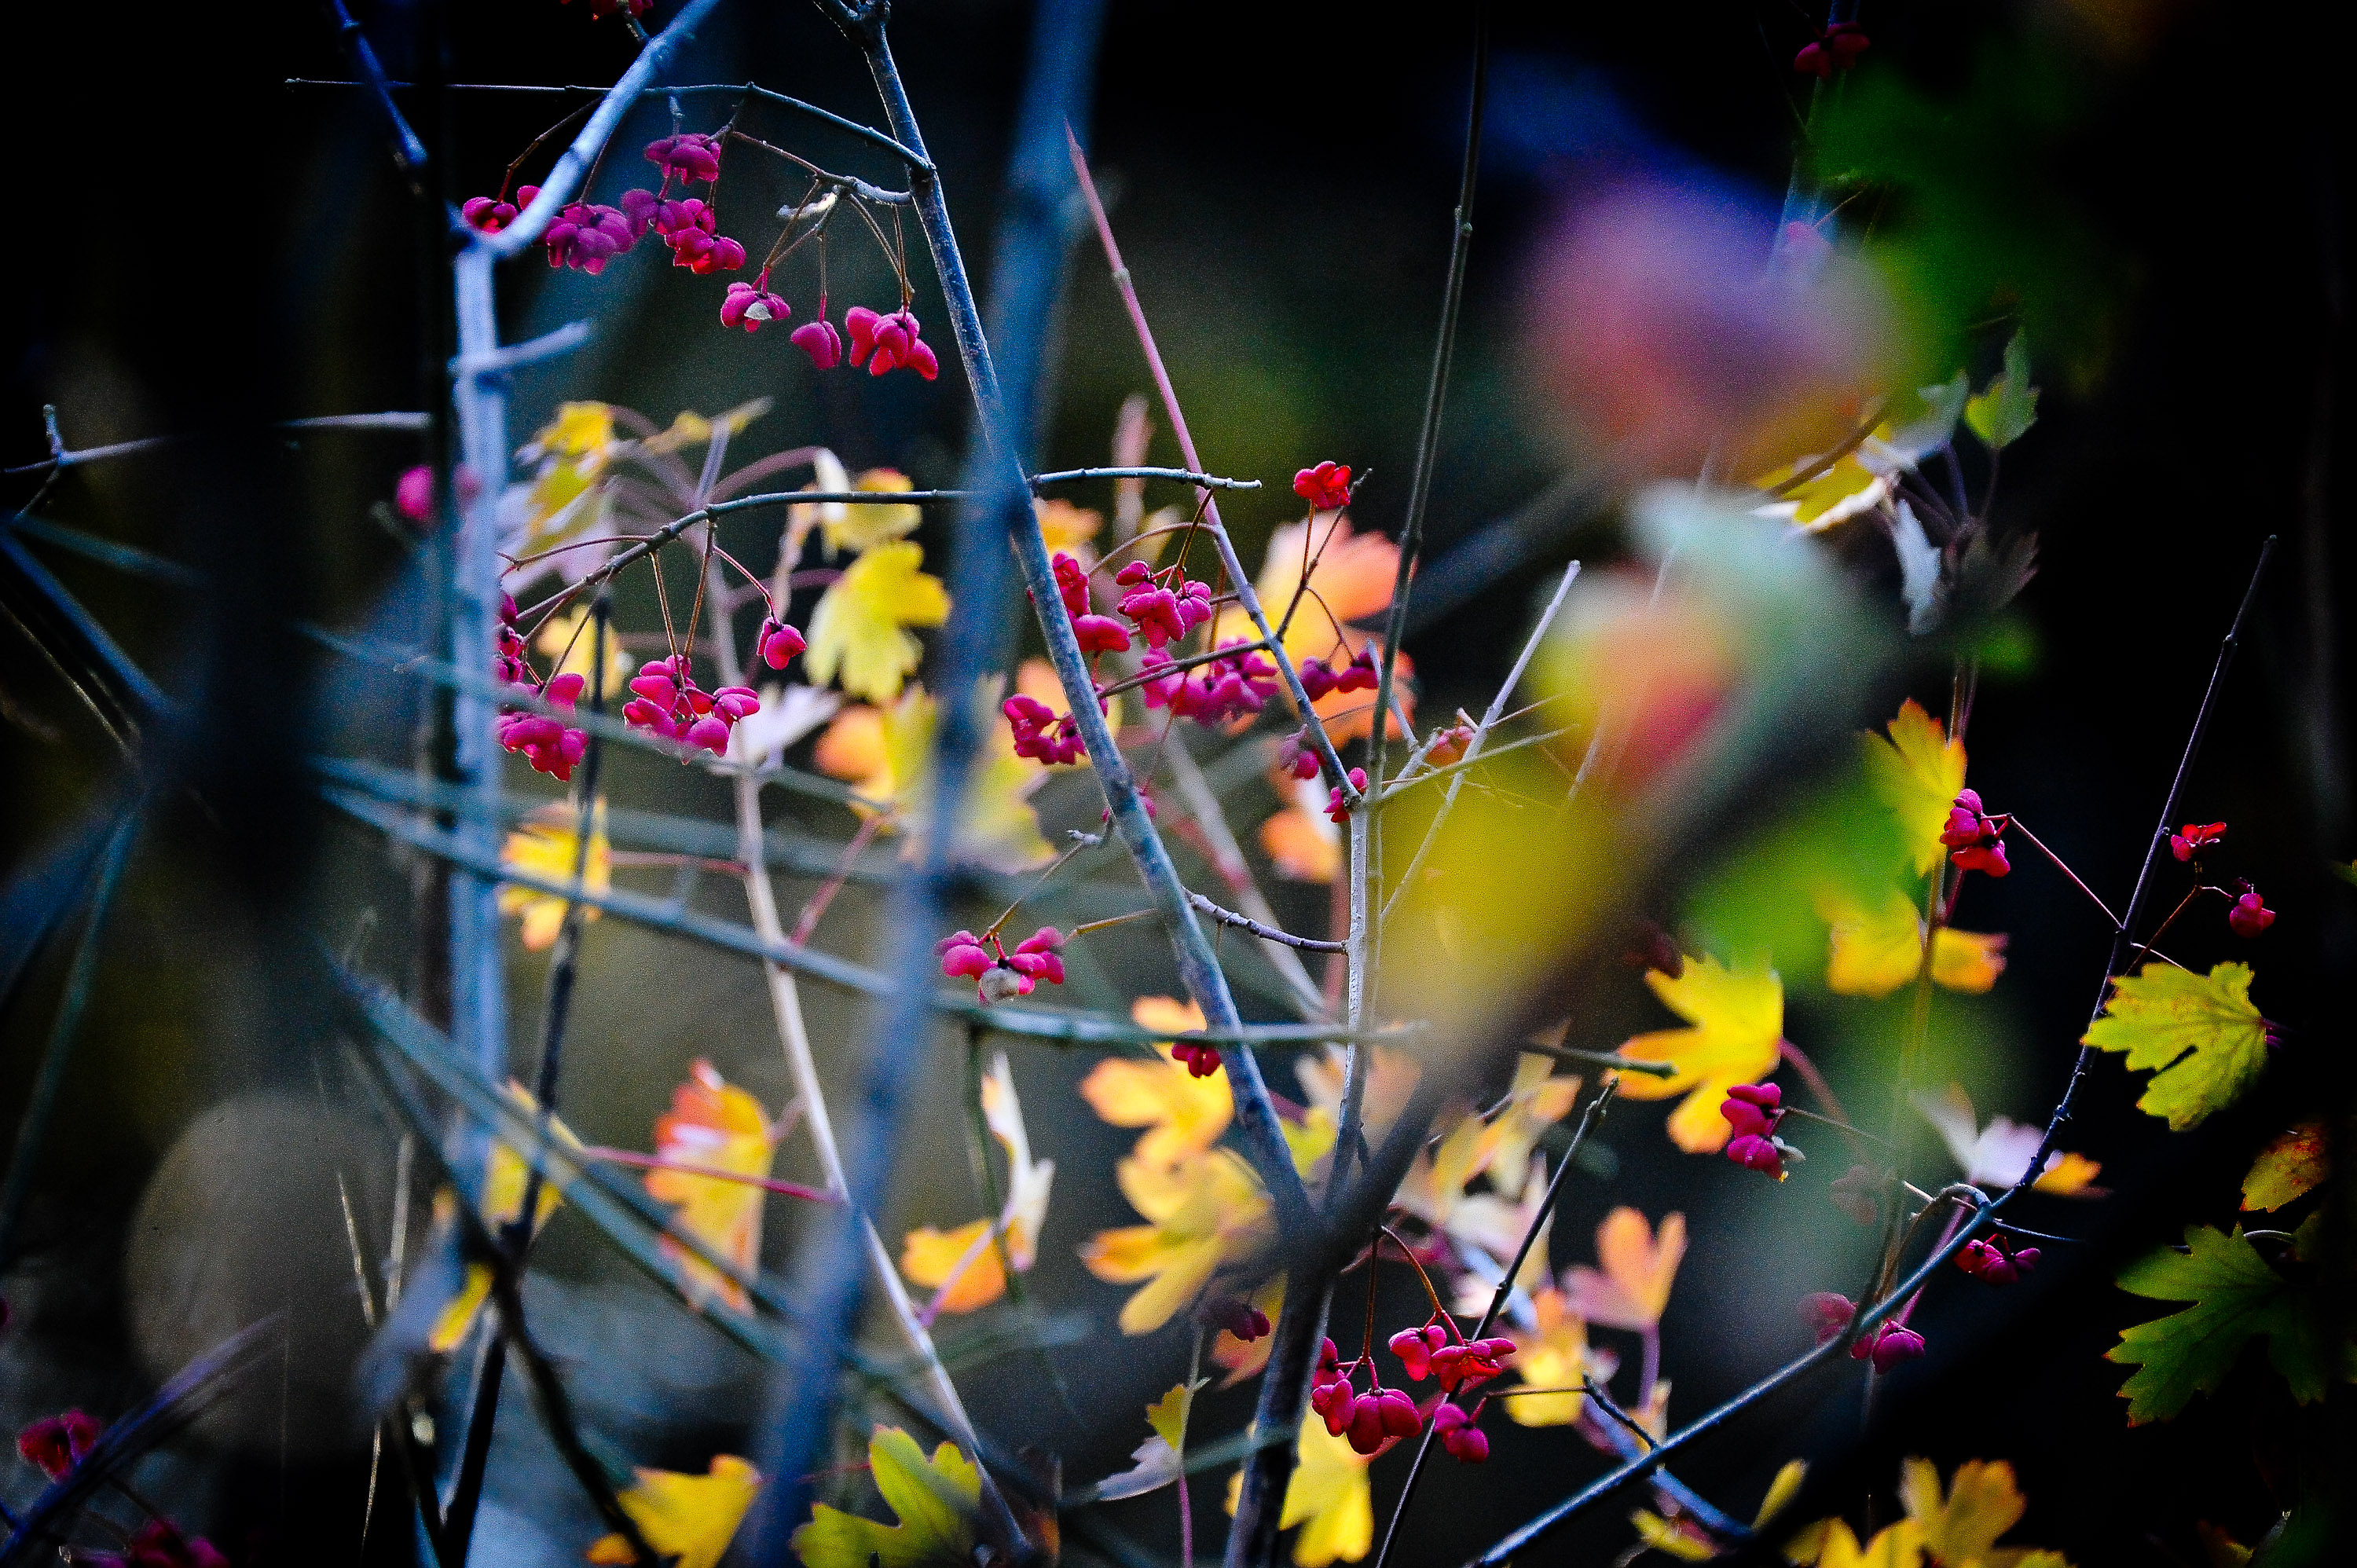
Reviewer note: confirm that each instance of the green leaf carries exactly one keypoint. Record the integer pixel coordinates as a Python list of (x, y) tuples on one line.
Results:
[(2007, 406), (934, 1500), (2200, 1030), (2236, 1297)]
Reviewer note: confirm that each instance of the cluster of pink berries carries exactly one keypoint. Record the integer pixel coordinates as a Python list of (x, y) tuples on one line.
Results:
[(1372, 1420), (1358, 675), (1338, 809), (1753, 1109), (1040, 732), (588, 234), (1326, 487), (1212, 693), (667, 701), (2189, 843), (1381, 1416), (1995, 1260), (1975, 842), (1202, 1058), (998, 975), (1829, 1313), (1162, 614), (2249, 915), (550, 745), (56, 1444)]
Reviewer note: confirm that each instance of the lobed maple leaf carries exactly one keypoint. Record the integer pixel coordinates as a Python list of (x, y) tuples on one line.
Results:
[(1159, 1457), (1916, 772), (1738, 1019), (2294, 1162), (1496, 1144), (1875, 948), (1959, 1529), (859, 634), (934, 1499), (964, 1264), (714, 1124), (1328, 1497), (548, 844), (863, 527), (689, 1518), (2200, 1030), (1631, 1289), (2236, 1297)]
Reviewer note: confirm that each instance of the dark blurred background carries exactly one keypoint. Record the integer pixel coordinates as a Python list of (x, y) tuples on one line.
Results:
[(203, 249)]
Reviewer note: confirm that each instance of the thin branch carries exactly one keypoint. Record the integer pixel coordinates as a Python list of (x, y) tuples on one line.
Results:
[(408, 152), (60, 457), (1266, 933)]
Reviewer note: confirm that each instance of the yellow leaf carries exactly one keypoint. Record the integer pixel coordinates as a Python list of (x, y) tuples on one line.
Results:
[(1487, 1223), (1203, 1214), (858, 630), (1066, 527), (1841, 492), (547, 844), (570, 451), (689, 428), (1782, 1491), (887, 757), (689, 1518), (964, 1263), (1632, 1288), (567, 642), (1895, 1547), (1917, 773), (2200, 1030), (715, 1125), (1738, 1026), (2294, 1162), (1673, 1538), (1553, 1355), (2069, 1175), (1960, 1531), (578, 429), (1497, 1145), (1327, 1496), (863, 527), (1391, 1079), (1168, 1415), (1874, 950), (1184, 1114), (934, 1499), (505, 1176)]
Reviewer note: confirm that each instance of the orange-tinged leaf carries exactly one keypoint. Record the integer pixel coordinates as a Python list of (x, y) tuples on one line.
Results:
[(1631, 1289), (886, 756), (852, 750), (2294, 1162), (1351, 576), (935, 1500), (1917, 772), (2200, 1030), (965, 1264), (1738, 1019), (688, 1518), (1184, 1114), (548, 844), (713, 1124), (1874, 948), (1302, 841), (858, 632), (1328, 1497)]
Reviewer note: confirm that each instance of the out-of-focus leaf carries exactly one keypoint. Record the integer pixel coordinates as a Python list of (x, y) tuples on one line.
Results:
[(549, 845), (1183, 1115), (1919, 571), (1552, 1354), (935, 1500), (1329, 1497), (2294, 1162), (1999, 1154), (2236, 1297), (2003, 411), (1960, 1529), (859, 631), (1203, 1213), (2200, 1030), (964, 1263), (714, 1124), (1632, 1288), (1842, 491), (1876, 948), (690, 1519), (1896, 1546)]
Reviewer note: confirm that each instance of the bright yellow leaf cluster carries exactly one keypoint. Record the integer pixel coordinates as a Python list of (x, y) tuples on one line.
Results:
[(1957, 1528)]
